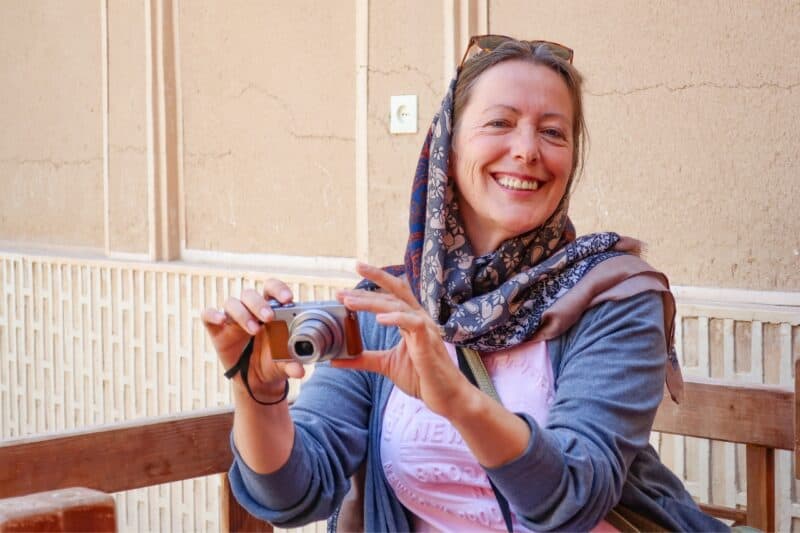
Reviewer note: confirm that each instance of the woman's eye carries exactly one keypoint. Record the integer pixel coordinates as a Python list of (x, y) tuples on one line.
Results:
[(499, 123), (553, 132)]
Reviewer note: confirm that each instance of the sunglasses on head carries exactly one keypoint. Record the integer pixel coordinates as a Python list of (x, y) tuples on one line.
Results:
[(487, 43)]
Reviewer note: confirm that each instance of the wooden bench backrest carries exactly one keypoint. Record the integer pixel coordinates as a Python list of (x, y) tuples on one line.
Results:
[(128, 456), (762, 417), (141, 454)]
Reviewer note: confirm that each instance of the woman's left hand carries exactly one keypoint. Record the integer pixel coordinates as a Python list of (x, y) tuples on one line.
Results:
[(419, 364)]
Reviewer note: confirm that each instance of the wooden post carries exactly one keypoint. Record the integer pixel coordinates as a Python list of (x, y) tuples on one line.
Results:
[(72, 509), (761, 487), (234, 516), (797, 419)]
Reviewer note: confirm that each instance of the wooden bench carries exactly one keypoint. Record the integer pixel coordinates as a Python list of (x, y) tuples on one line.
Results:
[(141, 454), (762, 417)]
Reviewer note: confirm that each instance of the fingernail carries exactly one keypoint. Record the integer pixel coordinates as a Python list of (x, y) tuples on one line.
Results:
[(265, 312), (252, 326), (286, 294)]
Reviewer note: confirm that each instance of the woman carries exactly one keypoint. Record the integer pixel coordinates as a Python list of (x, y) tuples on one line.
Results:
[(575, 334)]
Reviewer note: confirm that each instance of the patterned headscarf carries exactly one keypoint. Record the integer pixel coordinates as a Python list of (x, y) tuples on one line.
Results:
[(496, 300)]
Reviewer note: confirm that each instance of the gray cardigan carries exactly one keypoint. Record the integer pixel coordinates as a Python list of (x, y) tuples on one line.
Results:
[(593, 452)]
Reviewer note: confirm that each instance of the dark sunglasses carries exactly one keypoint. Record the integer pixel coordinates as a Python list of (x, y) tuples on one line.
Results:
[(487, 43)]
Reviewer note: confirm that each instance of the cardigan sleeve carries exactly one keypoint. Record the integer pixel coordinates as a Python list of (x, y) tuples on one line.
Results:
[(609, 383), (331, 417)]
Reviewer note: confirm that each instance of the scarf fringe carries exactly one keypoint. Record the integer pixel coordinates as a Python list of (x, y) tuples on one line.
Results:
[(632, 246)]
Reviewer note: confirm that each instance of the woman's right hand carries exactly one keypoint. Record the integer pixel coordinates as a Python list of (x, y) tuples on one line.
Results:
[(230, 329)]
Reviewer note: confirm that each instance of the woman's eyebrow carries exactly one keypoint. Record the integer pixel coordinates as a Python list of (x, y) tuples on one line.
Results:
[(502, 106), (548, 114)]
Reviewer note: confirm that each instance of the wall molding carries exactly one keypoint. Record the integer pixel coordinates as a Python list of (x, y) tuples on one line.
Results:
[(725, 296), (337, 266), (163, 200), (462, 19)]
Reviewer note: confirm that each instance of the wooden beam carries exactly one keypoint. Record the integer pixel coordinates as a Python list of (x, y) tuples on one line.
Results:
[(751, 414), (120, 457), (761, 487), (738, 516), (74, 509)]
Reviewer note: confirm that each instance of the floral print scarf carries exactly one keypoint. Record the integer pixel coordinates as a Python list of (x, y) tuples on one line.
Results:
[(496, 300)]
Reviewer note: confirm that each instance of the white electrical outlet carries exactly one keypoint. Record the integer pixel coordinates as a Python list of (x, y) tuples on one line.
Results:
[(403, 110)]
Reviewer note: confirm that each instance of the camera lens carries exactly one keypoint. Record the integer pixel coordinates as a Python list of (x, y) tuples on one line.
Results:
[(303, 348), (315, 336)]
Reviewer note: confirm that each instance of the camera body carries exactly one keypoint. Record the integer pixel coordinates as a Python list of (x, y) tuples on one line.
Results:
[(312, 332)]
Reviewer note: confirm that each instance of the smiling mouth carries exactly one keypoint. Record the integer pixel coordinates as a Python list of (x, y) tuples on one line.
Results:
[(517, 184)]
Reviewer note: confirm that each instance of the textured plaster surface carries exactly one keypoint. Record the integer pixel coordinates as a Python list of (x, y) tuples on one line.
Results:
[(268, 116), (127, 128), (693, 111), (405, 57), (51, 168)]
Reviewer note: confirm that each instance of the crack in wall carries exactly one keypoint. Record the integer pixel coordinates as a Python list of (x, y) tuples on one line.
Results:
[(688, 86), (127, 149), (55, 163), (429, 83), (288, 111), (200, 159)]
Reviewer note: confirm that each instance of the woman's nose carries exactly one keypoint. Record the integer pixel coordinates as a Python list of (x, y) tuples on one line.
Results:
[(526, 145)]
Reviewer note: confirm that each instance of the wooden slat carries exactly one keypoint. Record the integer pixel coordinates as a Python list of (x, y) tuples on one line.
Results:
[(749, 414), (120, 457), (761, 487), (235, 517), (738, 516)]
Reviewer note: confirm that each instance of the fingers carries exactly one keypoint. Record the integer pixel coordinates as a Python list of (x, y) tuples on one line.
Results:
[(292, 369), (242, 316), (252, 308), (374, 302), (211, 316), (268, 370), (409, 322), (275, 288), (397, 286), (258, 307)]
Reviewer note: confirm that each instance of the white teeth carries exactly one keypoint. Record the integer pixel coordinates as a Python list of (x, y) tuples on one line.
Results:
[(516, 183)]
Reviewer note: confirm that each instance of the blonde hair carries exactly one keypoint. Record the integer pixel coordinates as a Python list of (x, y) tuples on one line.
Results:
[(538, 54)]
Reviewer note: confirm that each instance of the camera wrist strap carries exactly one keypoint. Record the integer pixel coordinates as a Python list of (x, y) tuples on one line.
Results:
[(243, 366), (471, 365)]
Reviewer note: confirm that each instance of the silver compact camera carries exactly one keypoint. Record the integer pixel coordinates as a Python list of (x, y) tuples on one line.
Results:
[(312, 332)]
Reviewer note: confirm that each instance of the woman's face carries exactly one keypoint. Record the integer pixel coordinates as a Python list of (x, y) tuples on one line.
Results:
[(512, 152)]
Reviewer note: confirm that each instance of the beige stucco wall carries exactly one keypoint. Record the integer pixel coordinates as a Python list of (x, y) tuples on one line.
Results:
[(404, 58), (692, 108), (127, 128), (51, 156), (268, 98)]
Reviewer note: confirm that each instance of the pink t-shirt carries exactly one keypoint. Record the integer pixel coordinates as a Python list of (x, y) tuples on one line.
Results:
[(429, 466)]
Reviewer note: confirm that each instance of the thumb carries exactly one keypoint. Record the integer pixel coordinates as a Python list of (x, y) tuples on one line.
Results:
[(373, 361)]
